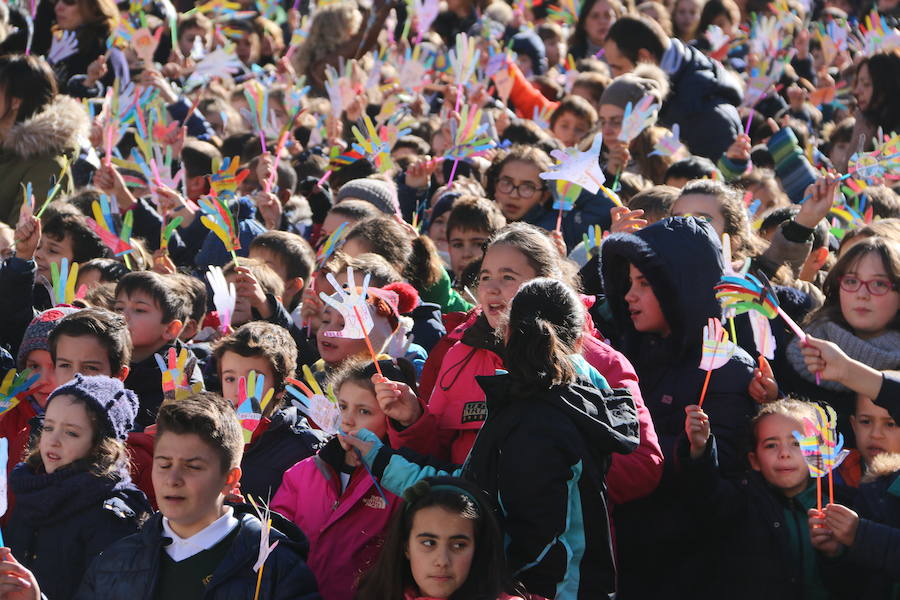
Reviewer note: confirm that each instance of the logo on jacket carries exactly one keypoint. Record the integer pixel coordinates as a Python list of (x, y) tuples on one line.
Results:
[(375, 501), (474, 411)]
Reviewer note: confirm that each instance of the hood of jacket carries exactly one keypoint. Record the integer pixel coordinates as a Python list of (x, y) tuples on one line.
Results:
[(681, 257), (56, 129)]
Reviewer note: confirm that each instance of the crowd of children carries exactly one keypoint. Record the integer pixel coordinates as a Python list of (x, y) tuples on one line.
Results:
[(449, 299)]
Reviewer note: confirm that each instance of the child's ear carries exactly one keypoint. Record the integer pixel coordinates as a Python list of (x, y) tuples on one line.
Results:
[(173, 329), (293, 286), (122, 375), (821, 255), (754, 462), (231, 480)]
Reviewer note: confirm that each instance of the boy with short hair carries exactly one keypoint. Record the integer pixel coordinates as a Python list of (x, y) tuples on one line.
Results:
[(292, 259), (155, 312), (259, 291), (876, 434), (283, 436), (471, 223), (196, 546)]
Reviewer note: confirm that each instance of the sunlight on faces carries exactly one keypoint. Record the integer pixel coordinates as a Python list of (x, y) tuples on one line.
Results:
[(40, 361), (359, 410), (503, 271), (618, 62), (52, 250), (83, 354), (869, 315), (466, 246), (145, 323), (569, 129), (702, 206), (333, 350), (68, 16), (512, 204), (609, 119), (598, 22), (440, 550), (643, 306), (777, 455), (875, 431), (437, 231), (275, 261), (332, 222), (67, 434), (233, 366), (190, 481)]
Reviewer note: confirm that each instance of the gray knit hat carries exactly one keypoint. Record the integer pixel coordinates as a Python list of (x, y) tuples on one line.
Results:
[(631, 87), (379, 193), (115, 406), (37, 335)]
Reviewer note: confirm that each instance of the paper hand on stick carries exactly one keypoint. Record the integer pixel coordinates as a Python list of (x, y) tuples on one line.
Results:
[(13, 385), (176, 375), (322, 408), (64, 45), (581, 168), (252, 402), (717, 350), (351, 304), (224, 296), (638, 118), (63, 279), (669, 144)]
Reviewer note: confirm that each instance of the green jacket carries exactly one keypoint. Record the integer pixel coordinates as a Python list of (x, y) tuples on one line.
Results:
[(35, 150)]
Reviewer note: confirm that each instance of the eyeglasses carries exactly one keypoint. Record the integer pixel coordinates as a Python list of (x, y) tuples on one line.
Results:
[(526, 189), (876, 287)]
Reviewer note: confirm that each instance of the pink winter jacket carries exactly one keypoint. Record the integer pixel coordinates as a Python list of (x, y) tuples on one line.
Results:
[(458, 409)]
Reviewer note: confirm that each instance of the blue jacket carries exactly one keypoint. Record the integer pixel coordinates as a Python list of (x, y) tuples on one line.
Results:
[(589, 210), (703, 101), (129, 569), (681, 258), (63, 520)]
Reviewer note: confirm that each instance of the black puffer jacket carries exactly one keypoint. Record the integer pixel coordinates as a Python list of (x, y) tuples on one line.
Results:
[(63, 520), (681, 258), (129, 569)]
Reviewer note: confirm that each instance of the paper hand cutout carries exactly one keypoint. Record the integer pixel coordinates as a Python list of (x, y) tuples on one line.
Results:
[(14, 385), (331, 244), (717, 350), (176, 375), (64, 45), (322, 409), (265, 549), (638, 118), (464, 58), (762, 334), (226, 177), (718, 42), (669, 144), (104, 226), (592, 240), (822, 446), (221, 62), (372, 145), (251, 402), (224, 296), (581, 168), (145, 43), (218, 219), (564, 195), (425, 11), (747, 293), (468, 136), (63, 280), (351, 305)]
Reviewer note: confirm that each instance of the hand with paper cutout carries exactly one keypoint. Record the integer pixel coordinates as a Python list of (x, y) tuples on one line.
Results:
[(351, 305)]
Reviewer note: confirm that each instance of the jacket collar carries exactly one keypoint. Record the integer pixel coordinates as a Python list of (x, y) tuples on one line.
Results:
[(58, 128)]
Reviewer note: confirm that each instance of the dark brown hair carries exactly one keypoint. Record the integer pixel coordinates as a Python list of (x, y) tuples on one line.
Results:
[(108, 328), (258, 339), (211, 418)]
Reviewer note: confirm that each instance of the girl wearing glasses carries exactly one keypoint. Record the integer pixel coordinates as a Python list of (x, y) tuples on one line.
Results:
[(860, 315)]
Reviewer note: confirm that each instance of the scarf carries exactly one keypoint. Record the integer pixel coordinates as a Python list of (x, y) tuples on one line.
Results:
[(881, 352)]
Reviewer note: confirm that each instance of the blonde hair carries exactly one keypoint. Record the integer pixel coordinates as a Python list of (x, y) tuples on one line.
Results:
[(331, 27)]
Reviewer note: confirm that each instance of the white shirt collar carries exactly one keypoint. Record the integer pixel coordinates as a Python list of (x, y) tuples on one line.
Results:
[(182, 548)]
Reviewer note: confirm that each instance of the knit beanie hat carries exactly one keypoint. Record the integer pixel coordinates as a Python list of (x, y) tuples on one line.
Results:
[(38, 332), (531, 45), (631, 87), (380, 194), (114, 406)]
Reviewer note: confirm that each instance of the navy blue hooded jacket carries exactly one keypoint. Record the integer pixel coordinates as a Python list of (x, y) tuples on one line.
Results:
[(681, 258)]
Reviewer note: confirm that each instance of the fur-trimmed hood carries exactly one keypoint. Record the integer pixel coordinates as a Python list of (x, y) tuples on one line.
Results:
[(56, 129), (882, 465)]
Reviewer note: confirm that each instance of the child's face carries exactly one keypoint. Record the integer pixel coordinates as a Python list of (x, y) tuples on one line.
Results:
[(643, 306), (40, 361), (233, 366), (778, 457), (273, 260), (687, 15), (875, 430), (440, 549), (466, 246), (437, 231), (53, 250), (359, 410), (83, 354), (868, 314), (247, 48), (145, 321), (67, 434), (189, 481), (333, 350), (702, 206), (598, 21), (503, 271), (569, 128), (187, 37), (331, 223), (609, 117), (519, 189)]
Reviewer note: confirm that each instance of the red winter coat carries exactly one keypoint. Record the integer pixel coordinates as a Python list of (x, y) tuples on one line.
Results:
[(14, 426)]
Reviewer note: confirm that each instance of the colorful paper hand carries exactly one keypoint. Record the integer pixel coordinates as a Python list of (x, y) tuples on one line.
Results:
[(717, 349), (669, 144), (463, 59), (581, 168), (371, 145), (322, 409), (104, 226), (252, 402), (331, 244), (350, 303), (15, 385), (224, 296), (64, 45), (221, 62), (638, 118), (63, 280), (762, 334), (176, 375)]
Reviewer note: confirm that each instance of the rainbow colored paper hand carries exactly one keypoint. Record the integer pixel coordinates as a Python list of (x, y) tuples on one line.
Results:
[(63, 280), (669, 144), (104, 226), (64, 45), (226, 177), (469, 135), (331, 244), (224, 296), (252, 402), (565, 194), (592, 240), (878, 35), (746, 293), (464, 58), (372, 146), (14, 385), (176, 375), (218, 219), (259, 115), (638, 118), (581, 168), (351, 304), (822, 446), (717, 350), (322, 408), (425, 11)]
